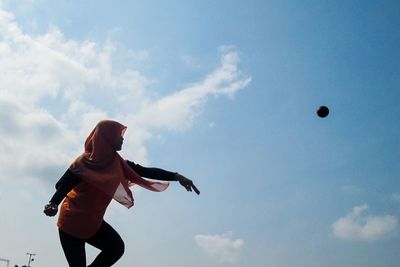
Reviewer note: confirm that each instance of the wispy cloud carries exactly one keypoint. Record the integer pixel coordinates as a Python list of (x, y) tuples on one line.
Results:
[(178, 110), (351, 189), (221, 247), (356, 225), (53, 90), (396, 196)]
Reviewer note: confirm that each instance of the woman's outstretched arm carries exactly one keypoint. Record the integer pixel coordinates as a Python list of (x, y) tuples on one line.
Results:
[(153, 173), (163, 175)]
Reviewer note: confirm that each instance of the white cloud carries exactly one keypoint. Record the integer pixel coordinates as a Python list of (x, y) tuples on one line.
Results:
[(178, 110), (222, 247), (358, 226), (53, 90)]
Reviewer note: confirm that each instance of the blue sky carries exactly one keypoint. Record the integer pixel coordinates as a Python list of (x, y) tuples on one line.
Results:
[(224, 92)]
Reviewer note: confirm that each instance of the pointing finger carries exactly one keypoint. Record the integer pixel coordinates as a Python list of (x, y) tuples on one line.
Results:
[(196, 190)]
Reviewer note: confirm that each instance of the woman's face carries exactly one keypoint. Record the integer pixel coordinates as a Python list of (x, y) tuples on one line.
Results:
[(112, 132), (116, 140), (118, 144)]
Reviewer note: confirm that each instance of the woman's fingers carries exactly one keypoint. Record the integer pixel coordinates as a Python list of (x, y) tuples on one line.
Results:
[(196, 190), (50, 210), (191, 187), (188, 184)]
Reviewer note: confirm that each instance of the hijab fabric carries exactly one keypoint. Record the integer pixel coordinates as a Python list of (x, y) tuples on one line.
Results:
[(101, 166)]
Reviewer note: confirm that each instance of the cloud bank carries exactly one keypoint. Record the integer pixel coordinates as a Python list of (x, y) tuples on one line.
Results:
[(221, 247), (358, 226), (53, 90)]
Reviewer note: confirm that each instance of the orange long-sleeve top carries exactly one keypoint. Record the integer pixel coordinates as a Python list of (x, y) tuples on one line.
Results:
[(82, 211)]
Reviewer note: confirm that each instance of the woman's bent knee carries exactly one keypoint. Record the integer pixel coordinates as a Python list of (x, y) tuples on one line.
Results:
[(118, 249)]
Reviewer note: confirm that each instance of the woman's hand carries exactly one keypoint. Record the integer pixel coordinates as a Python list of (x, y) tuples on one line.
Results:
[(51, 209), (187, 183)]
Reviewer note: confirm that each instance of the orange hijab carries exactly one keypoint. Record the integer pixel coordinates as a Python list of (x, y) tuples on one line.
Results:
[(101, 166)]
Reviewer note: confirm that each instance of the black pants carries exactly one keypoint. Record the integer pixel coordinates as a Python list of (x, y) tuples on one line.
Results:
[(106, 239)]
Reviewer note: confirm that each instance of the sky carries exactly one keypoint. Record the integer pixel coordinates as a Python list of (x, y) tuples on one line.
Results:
[(226, 93)]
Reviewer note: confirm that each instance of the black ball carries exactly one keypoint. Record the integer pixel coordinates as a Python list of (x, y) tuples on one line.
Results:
[(323, 111)]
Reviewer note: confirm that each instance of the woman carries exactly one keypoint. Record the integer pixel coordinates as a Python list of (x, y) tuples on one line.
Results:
[(88, 186)]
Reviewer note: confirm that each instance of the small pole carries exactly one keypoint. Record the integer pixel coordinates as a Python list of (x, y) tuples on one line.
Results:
[(30, 257)]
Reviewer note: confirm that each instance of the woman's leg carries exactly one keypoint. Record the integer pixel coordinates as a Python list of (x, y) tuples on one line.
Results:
[(111, 245), (74, 249)]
